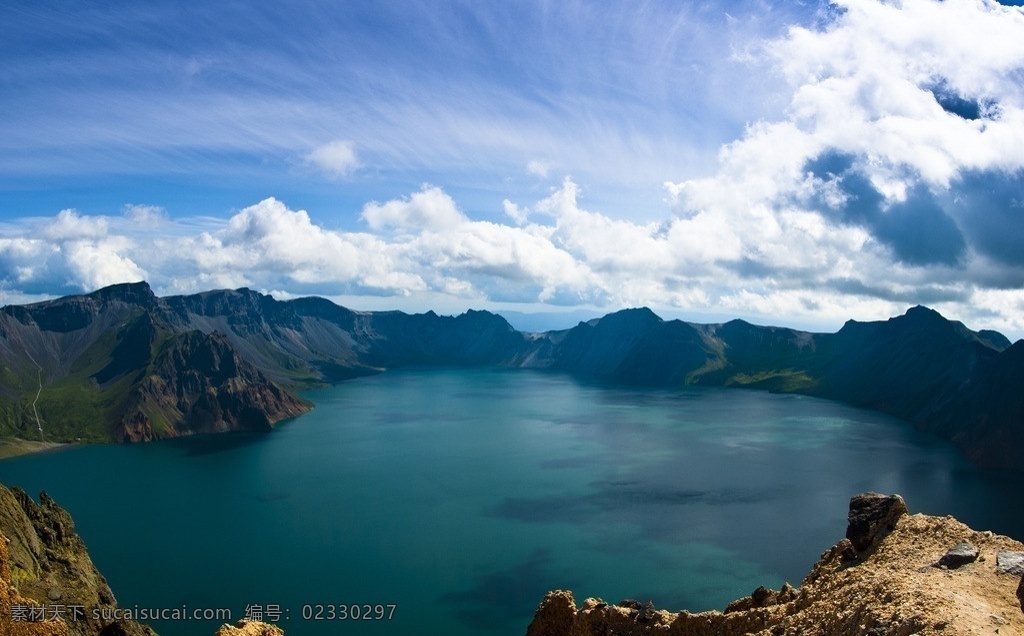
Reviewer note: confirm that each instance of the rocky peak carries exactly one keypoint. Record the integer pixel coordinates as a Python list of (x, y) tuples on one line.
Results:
[(140, 294), (629, 320)]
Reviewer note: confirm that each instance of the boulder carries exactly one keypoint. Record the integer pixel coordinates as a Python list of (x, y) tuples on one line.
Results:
[(871, 517), (1010, 562), (960, 554)]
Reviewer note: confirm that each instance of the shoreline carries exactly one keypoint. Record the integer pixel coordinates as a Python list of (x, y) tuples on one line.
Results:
[(15, 446)]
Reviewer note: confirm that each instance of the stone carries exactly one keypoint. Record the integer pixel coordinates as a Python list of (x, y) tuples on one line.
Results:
[(1010, 562), (249, 628), (763, 597), (1020, 594), (871, 517), (555, 615), (960, 554)]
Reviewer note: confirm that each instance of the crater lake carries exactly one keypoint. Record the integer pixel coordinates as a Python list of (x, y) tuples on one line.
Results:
[(460, 497)]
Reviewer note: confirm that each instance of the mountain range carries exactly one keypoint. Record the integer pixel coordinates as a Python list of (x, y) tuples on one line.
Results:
[(121, 364)]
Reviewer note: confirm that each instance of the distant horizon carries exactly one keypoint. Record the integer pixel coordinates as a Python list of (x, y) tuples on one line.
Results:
[(791, 163)]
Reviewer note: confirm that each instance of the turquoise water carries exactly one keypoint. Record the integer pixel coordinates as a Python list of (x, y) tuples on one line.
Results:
[(461, 497)]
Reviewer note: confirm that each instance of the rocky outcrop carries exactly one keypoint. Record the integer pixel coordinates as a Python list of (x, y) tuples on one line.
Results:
[(891, 589), (44, 565), (871, 517), (249, 628), (47, 563), (10, 599)]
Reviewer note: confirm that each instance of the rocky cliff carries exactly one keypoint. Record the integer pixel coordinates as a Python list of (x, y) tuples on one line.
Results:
[(43, 562), (44, 565), (894, 574), (121, 364), (198, 383)]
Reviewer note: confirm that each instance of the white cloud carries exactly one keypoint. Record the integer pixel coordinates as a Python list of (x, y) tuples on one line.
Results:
[(336, 158), (145, 215), (70, 225), (538, 168), (429, 209), (268, 243), (866, 84), (906, 101), (95, 265), (763, 262), (72, 252), (518, 214)]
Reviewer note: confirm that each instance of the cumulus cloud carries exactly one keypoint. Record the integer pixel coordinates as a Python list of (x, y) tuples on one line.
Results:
[(429, 209), (336, 158), (518, 214), (70, 253), (268, 244), (893, 176), (69, 225)]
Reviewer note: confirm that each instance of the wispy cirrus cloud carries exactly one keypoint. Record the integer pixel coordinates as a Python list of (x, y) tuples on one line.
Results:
[(860, 160), (465, 93)]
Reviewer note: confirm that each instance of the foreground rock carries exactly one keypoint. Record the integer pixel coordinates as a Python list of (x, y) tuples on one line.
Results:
[(890, 589), (871, 517), (10, 598), (50, 566), (960, 554), (1009, 562), (249, 628), (44, 564)]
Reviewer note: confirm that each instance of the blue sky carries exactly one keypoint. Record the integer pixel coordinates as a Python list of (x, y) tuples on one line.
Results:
[(795, 163)]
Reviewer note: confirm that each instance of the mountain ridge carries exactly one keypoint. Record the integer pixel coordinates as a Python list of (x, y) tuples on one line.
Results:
[(121, 364)]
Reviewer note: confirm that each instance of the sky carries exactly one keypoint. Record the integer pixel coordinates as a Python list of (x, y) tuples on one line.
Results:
[(790, 163)]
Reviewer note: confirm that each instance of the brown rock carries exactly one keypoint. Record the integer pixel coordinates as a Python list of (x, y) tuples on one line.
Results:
[(249, 628), (871, 517), (763, 597), (200, 383), (1020, 594), (53, 564), (9, 598), (554, 616)]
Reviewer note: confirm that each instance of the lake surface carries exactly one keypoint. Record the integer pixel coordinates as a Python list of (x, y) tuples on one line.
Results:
[(462, 496)]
